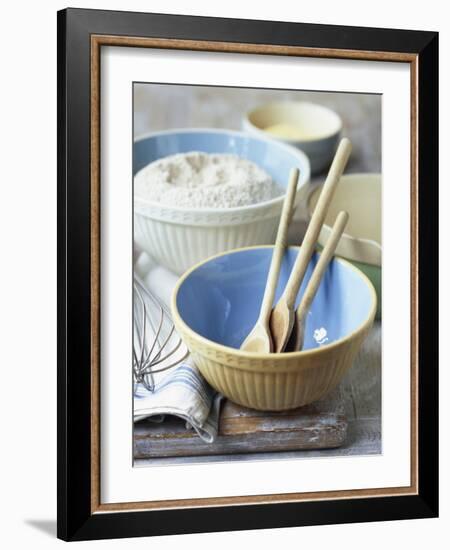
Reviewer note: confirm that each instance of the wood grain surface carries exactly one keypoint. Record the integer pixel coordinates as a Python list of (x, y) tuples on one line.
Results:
[(320, 425)]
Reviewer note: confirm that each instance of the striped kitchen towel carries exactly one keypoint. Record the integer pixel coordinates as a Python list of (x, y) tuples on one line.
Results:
[(183, 393)]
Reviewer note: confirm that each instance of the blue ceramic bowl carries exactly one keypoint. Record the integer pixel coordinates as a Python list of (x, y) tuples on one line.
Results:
[(220, 299), (216, 303), (178, 238)]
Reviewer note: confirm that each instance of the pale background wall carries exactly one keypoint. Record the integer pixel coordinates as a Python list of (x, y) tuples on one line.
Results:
[(28, 244), (161, 107)]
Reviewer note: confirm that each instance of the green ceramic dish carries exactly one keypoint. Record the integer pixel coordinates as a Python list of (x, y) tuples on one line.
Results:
[(373, 273)]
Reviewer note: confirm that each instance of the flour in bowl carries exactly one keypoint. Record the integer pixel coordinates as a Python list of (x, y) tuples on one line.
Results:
[(201, 180)]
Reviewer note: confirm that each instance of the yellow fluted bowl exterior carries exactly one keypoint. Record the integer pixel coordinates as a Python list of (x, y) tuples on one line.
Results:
[(273, 382)]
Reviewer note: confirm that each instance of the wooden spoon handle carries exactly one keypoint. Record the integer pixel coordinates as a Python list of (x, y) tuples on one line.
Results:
[(315, 225), (280, 245), (322, 264)]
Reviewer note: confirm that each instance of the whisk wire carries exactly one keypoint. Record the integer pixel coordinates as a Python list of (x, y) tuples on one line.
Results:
[(155, 341)]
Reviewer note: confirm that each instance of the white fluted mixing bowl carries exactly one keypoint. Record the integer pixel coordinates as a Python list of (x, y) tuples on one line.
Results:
[(178, 238)]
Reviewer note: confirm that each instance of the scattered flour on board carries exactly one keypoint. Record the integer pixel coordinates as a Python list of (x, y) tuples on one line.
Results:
[(201, 180)]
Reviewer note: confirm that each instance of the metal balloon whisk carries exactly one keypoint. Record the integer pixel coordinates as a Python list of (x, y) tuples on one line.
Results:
[(156, 345)]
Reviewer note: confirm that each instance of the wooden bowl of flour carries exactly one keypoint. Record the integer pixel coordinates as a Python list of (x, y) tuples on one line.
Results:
[(178, 233)]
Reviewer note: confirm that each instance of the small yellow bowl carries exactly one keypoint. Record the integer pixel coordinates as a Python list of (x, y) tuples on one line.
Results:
[(215, 304), (310, 127)]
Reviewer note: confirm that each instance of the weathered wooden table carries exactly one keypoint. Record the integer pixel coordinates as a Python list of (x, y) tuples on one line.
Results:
[(361, 402), (164, 107)]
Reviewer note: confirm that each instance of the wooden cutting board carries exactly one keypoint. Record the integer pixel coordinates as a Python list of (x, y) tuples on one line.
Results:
[(320, 425)]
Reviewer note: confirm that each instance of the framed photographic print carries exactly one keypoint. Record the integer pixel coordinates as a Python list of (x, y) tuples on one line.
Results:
[(247, 274)]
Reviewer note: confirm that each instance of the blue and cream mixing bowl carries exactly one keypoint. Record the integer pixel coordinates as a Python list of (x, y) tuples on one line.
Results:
[(179, 237), (216, 303)]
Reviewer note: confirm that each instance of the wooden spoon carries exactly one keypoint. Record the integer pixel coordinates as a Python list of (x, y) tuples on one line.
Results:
[(259, 340), (295, 342), (282, 317)]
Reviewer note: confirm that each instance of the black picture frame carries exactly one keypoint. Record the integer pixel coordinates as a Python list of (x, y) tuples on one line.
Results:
[(76, 518)]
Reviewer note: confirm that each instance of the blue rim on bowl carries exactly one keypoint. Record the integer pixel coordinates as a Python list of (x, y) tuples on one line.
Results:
[(179, 317), (258, 149)]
